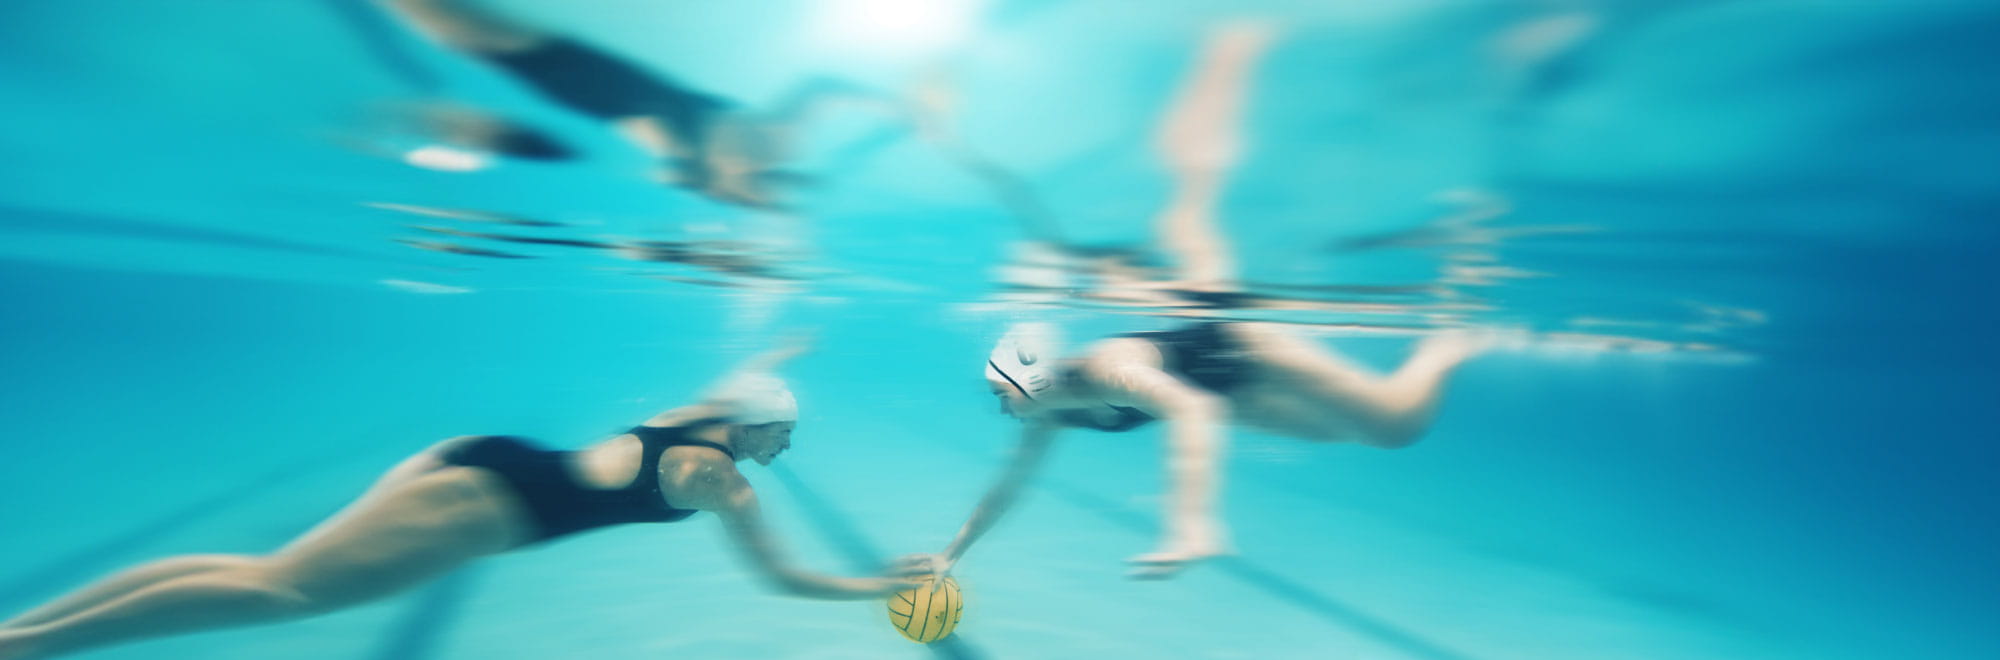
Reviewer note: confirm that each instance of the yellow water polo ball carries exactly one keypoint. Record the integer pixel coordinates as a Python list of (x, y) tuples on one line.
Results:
[(926, 615)]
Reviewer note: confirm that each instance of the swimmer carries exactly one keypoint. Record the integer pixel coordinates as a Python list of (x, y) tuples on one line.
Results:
[(459, 501), (466, 130), (1198, 378), (705, 143)]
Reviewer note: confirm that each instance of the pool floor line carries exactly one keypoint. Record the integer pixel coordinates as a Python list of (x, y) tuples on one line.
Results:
[(418, 633), (1266, 580), (79, 567), (859, 552), (1248, 572)]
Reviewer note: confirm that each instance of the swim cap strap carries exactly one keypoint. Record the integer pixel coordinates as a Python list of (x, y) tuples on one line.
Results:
[(1010, 379)]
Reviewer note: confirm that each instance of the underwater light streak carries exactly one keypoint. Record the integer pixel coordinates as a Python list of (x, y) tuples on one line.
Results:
[(429, 288)]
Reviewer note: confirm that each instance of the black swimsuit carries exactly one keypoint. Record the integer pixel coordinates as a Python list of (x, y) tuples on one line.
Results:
[(605, 86), (600, 84), (1202, 353), (1199, 352), (561, 506)]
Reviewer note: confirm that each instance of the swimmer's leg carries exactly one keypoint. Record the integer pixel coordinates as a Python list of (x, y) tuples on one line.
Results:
[(122, 583), (406, 531), (155, 572), (1200, 140), (465, 26), (1390, 412)]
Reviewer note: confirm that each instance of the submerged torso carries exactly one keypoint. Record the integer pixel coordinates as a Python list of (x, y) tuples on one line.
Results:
[(1210, 357), (565, 492)]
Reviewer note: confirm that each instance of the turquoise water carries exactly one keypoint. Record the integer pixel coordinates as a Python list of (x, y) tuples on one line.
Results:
[(210, 342)]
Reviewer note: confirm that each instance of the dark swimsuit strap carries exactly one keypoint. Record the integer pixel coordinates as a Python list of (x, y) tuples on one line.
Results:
[(656, 440), (702, 443), (663, 437)]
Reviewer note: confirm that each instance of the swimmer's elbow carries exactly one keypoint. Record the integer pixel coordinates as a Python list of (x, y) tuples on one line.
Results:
[(784, 580), (790, 585)]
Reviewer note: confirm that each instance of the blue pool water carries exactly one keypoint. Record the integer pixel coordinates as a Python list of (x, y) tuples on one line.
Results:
[(1752, 242)]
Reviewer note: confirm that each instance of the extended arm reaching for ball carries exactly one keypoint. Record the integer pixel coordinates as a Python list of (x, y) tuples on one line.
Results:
[(1035, 440), (716, 486)]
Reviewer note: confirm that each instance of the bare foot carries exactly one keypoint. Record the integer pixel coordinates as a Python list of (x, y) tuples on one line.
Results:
[(1243, 37)]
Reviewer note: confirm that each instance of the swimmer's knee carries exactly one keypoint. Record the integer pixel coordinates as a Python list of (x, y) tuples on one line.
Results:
[(1380, 433), (212, 562), (289, 600), (261, 583)]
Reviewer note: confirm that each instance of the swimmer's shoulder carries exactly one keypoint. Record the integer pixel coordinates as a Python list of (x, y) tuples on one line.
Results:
[(699, 477)]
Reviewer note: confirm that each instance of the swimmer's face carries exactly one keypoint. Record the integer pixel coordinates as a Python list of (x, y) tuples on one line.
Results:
[(1013, 402), (764, 442)]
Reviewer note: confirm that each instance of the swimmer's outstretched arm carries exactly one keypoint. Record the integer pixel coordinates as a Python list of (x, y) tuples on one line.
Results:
[(723, 490), (466, 25), (1035, 440), (1028, 454), (768, 361)]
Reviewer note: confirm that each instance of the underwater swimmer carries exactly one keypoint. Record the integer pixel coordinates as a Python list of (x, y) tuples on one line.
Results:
[(1196, 379), (705, 143), (1199, 378), (464, 499)]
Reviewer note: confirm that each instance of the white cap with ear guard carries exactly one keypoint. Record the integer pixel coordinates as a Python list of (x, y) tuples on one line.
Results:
[(1025, 357), (753, 398)]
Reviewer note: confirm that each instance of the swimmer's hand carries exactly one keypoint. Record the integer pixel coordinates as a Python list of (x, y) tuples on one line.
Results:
[(1177, 552), (937, 566), (789, 348), (890, 586)]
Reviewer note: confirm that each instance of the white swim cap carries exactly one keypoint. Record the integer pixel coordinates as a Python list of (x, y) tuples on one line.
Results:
[(753, 398), (1025, 357)]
